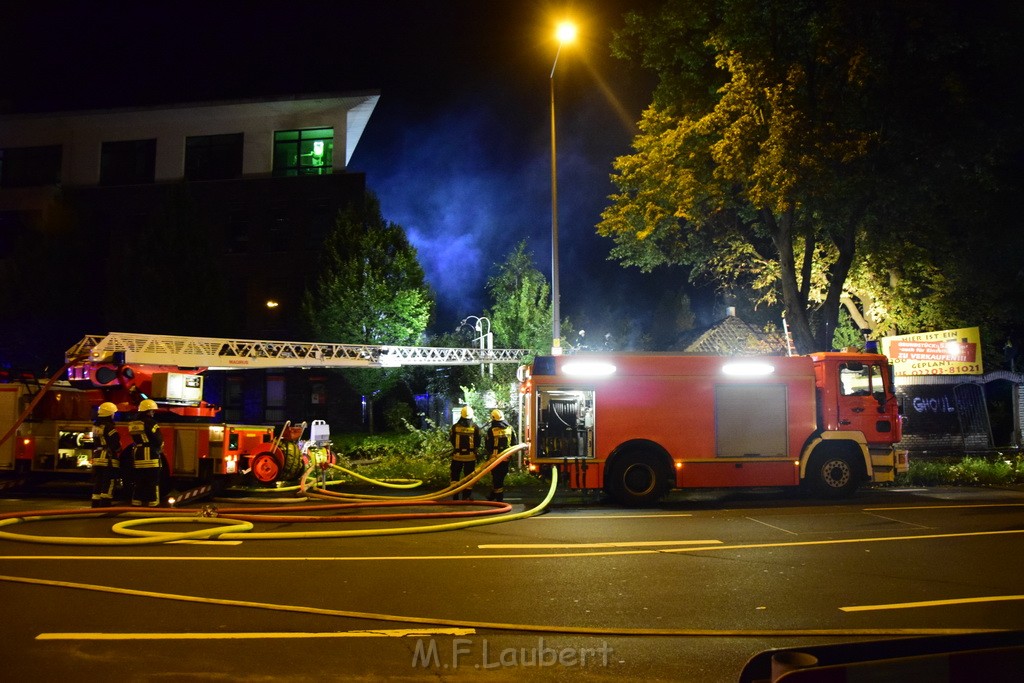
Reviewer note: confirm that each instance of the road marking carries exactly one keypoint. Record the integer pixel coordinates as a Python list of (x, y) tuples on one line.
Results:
[(622, 544), (465, 623), (376, 633), (204, 543), (517, 556), (898, 521), (949, 507), (559, 516), (931, 603), (772, 526)]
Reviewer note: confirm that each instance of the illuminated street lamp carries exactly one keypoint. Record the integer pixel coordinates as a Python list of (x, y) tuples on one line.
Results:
[(566, 33), (486, 338)]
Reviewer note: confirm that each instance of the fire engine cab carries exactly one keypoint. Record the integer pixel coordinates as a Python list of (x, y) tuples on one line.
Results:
[(638, 425)]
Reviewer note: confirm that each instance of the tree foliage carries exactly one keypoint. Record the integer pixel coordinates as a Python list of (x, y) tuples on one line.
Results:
[(803, 149), (520, 312), (369, 289)]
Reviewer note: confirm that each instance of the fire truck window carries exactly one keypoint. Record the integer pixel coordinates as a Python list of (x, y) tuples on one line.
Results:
[(855, 379)]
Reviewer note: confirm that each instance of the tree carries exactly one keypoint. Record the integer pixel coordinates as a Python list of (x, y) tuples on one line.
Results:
[(520, 314), (786, 138), (370, 289)]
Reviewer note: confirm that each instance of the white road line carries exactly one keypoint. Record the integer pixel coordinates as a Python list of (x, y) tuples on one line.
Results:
[(377, 633), (898, 521), (617, 544), (772, 526)]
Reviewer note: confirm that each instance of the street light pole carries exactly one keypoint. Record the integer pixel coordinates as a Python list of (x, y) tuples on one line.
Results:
[(566, 32), (486, 339)]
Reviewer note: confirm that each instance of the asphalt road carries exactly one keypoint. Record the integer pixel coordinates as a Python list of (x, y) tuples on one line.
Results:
[(686, 591)]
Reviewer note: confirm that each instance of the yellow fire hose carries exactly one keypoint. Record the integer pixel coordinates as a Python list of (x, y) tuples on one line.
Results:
[(227, 528)]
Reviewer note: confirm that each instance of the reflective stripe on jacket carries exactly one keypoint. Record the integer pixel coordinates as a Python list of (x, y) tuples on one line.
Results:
[(465, 438), (148, 442), (500, 436), (110, 444)]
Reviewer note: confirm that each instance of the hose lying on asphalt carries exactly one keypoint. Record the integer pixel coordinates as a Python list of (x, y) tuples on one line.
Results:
[(237, 523)]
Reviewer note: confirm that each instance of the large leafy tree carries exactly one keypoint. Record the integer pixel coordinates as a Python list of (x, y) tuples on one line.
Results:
[(370, 289), (520, 312), (792, 149)]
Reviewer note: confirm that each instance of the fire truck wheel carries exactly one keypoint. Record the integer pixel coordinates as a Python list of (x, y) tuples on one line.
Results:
[(637, 480), (265, 468), (833, 475)]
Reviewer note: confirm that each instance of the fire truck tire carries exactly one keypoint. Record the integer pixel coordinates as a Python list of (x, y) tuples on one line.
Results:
[(265, 468), (637, 479), (833, 475)]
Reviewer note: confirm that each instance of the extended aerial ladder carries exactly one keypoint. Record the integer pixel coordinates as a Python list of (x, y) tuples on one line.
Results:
[(124, 368), (166, 367), (236, 354)]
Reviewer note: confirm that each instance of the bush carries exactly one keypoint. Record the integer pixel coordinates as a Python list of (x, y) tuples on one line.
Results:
[(968, 471), (423, 454)]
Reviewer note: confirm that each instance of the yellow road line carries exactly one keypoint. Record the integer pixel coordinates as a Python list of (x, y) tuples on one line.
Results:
[(376, 633), (621, 544), (520, 556), (465, 623), (931, 603), (559, 516), (950, 507)]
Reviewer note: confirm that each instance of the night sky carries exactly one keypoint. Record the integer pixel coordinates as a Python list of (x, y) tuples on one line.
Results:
[(458, 149)]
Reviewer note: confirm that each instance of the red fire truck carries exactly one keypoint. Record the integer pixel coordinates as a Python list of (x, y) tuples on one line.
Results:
[(640, 425), (48, 429)]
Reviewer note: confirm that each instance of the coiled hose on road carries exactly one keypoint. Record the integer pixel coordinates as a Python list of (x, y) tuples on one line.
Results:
[(238, 523)]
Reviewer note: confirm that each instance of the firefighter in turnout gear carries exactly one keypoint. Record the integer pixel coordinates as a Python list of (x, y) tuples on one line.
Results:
[(465, 438), (105, 458), (147, 455), (499, 437)]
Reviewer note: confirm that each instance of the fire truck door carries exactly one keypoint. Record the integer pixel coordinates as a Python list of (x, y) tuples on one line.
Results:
[(862, 401)]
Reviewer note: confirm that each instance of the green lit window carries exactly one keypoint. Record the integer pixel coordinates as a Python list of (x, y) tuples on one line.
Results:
[(304, 152)]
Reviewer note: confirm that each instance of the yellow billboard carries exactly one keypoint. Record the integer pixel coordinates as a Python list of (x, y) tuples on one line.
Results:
[(947, 352)]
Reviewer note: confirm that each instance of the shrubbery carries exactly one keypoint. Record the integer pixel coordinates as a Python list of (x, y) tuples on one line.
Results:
[(423, 454), (966, 471)]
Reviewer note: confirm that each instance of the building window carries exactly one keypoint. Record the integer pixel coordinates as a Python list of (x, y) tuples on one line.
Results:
[(238, 231), (233, 399), (213, 157), (30, 166), (274, 409), (303, 152), (128, 162)]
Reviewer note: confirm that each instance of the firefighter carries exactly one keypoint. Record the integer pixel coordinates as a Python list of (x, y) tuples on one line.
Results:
[(105, 458), (465, 438), (147, 455), (500, 436)]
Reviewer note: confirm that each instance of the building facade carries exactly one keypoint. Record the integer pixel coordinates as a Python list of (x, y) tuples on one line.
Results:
[(197, 219)]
